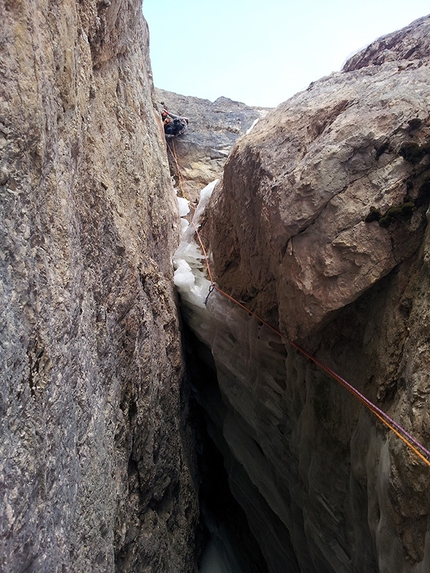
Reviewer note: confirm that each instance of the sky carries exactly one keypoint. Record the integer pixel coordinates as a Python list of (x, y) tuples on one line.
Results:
[(263, 52)]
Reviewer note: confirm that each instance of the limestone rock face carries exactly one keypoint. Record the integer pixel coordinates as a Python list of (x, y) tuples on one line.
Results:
[(328, 193), (320, 224), (212, 130), (410, 43), (93, 472)]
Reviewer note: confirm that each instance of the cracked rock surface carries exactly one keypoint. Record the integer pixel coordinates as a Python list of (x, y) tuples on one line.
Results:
[(320, 226), (298, 193), (94, 475)]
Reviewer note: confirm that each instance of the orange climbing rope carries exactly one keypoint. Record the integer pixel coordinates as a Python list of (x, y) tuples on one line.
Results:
[(173, 152), (422, 452), (385, 419)]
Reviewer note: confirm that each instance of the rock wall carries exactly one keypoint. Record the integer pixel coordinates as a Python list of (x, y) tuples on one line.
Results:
[(213, 128), (320, 226), (94, 472)]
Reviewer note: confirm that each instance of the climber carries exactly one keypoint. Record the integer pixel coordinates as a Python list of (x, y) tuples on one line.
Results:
[(174, 125)]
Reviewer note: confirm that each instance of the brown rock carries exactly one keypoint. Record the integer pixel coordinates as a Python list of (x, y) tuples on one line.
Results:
[(93, 472), (298, 191), (213, 128), (320, 224), (409, 43)]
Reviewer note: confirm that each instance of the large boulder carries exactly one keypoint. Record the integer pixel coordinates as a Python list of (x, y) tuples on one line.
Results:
[(328, 193), (320, 226)]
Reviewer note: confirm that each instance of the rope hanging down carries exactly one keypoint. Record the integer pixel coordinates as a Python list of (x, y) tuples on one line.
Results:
[(418, 449)]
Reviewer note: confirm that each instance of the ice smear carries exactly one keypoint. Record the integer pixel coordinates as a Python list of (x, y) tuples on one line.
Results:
[(190, 276), (215, 561), (212, 321), (252, 126), (183, 206), (245, 358)]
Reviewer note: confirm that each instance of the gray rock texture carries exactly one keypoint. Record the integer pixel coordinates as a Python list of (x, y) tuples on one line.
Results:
[(94, 474), (213, 128), (320, 225)]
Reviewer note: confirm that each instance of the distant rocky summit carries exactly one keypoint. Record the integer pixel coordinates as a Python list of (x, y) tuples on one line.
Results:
[(213, 128)]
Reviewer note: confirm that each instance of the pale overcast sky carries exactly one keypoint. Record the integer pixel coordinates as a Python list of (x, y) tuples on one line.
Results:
[(263, 52)]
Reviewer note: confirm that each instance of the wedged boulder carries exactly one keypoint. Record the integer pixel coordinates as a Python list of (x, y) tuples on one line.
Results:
[(320, 225), (328, 193)]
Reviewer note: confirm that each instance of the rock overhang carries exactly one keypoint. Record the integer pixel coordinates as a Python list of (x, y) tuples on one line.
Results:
[(297, 192)]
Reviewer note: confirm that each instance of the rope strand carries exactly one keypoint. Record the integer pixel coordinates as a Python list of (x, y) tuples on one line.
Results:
[(400, 432)]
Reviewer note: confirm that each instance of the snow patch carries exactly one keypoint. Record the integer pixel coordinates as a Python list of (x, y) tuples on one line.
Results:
[(183, 205), (189, 261)]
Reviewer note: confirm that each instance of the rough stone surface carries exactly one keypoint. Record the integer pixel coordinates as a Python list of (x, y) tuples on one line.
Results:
[(409, 43), (94, 475), (293, 234), (213, 128), (309, 175)]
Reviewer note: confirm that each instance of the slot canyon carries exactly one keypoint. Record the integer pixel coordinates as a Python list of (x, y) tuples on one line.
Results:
[(148, 423)]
